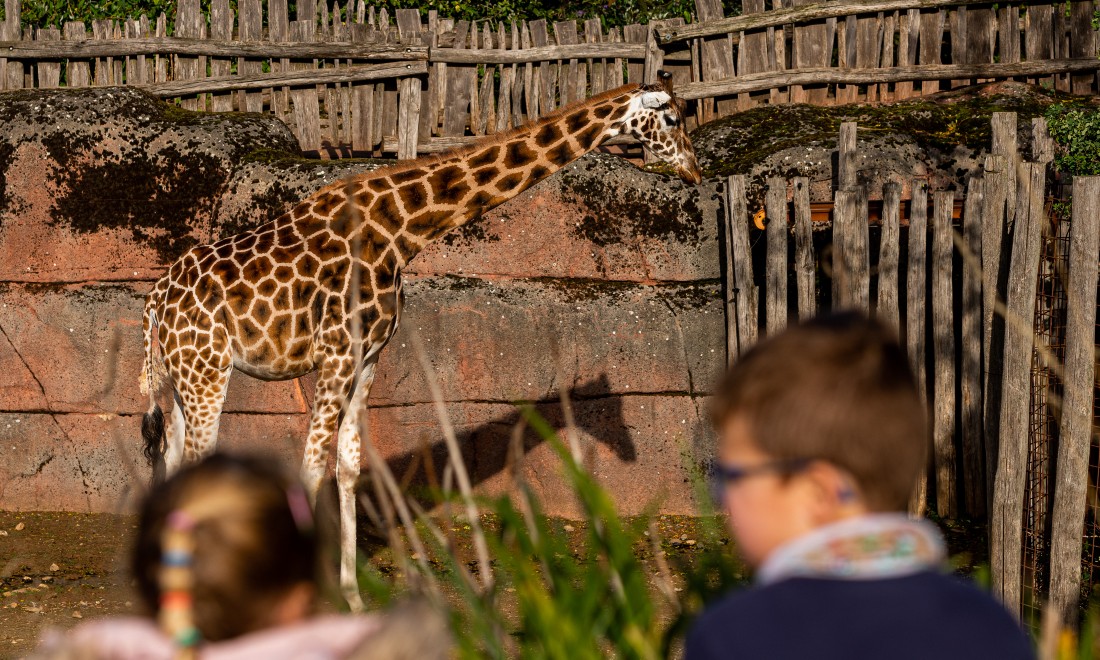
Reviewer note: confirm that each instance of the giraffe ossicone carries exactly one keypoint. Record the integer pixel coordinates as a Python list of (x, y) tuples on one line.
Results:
[(319, 288)]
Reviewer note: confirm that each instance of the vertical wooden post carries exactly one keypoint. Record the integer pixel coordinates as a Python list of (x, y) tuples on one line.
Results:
[(1006, 521), (850, 253), (970, 245), (1070, 492), (998, 214), (804, 250), (776, 208), (886, 301), (943, 353), (846, 156), (221, 27), (915, 313), (743, 294), (408, 117), (716, 59)]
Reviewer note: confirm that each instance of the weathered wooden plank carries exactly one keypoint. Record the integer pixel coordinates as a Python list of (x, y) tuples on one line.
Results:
[(189, 25), (408, 117), (517, 80), (980, 31), (11, 72), (970, 366), (593, 34), (811, 48), (1042, 145), (1006, 533), (654, 56), (851, 271), (868, 48), (931, 40), (160, 64), (1008, 34), (101, 73), (998, 186), (531, 86), (943, 356), (307, 110), (486, 122), (1039, 37), (457, 107), (504, 99), (565, 32), (908, 39), (752, 52), (307, 11), (957, 20), (278, 31), (889, 27), (804, 264), (547, 73), (886, 300), (715, 59), (635, 34), (293, 78), (775, 309), (49, 72), (221, 27), (250, 28), (615, 75), (1072, 478), (742, 299), (846, 156), (1082, 43), (915, 285)]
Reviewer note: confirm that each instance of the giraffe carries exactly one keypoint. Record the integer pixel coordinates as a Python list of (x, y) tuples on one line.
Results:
[(319, 288)]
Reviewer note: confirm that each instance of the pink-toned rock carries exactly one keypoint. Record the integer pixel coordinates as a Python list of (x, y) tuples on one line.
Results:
[(488, 340), (633, 445)]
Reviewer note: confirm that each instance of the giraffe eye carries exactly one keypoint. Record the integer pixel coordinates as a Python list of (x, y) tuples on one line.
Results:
[(671, 121)]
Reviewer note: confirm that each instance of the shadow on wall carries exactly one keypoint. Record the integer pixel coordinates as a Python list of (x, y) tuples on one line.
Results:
[(485, 448)]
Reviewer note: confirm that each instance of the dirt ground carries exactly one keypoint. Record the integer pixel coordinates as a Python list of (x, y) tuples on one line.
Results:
[(57, 569)]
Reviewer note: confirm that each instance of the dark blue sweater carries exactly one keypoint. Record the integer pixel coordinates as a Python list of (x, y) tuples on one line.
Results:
[(926, 615)]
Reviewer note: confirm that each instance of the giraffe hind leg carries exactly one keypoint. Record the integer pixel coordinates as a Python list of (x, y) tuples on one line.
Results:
[(175, 434), (347, 475)]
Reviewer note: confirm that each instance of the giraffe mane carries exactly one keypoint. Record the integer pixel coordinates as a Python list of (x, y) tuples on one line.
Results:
[(484, 141)]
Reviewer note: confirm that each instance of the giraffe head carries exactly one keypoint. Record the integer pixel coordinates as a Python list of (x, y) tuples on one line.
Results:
[(656, 120)]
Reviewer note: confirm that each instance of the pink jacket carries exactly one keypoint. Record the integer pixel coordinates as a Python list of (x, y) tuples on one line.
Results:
[(132, 638)]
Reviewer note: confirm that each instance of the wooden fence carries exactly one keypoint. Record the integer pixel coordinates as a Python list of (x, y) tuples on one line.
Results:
[(348, 79), (968, 295)]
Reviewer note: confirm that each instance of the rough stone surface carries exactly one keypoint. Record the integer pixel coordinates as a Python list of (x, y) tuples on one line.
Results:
[(940, 138), (635, 445)]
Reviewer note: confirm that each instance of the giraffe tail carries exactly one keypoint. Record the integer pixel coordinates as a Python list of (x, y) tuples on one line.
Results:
[(152, 380)]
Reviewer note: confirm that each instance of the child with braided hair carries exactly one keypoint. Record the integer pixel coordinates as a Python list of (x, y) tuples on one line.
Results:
[(224, 561)]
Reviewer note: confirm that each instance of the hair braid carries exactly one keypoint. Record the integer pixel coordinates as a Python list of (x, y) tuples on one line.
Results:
[(176, 580)]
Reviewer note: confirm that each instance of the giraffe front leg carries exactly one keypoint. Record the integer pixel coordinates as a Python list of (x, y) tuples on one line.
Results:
[(202, 402), (347, 476)]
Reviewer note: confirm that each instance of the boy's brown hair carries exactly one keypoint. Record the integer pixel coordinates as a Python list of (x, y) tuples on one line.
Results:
[(839, 389), (251, 545)]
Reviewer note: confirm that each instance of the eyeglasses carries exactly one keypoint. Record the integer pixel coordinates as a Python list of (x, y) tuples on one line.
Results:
[(734, 473), (724, 474)]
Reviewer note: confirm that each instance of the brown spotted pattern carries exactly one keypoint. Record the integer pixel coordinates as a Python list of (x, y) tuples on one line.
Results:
[(319, 289)]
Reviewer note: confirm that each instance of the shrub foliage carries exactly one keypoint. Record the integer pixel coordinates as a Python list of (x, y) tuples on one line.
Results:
[(43, 13)]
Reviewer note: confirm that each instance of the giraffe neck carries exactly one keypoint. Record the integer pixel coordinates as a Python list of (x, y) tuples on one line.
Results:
[(432, 196)]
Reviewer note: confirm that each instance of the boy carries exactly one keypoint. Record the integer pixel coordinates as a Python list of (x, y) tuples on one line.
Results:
[(821, 439)]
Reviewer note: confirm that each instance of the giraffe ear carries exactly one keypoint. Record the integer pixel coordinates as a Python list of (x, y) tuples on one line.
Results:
[(655, 99)]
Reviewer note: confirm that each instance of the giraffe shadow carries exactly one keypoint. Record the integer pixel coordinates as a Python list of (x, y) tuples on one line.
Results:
[(485, 448)]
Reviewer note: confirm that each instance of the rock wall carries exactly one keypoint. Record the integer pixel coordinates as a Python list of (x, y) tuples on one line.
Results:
[(603, 277)]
